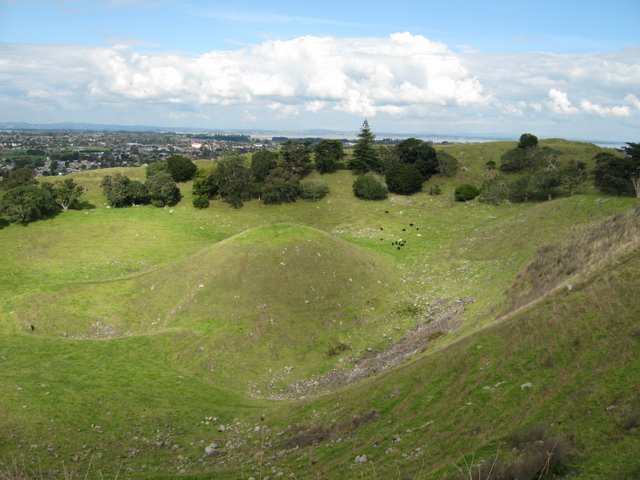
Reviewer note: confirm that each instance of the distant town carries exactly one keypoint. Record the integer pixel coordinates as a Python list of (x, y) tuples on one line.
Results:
[(60, 152)]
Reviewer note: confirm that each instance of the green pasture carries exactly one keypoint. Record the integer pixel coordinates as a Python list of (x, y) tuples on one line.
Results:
[(158, 332)]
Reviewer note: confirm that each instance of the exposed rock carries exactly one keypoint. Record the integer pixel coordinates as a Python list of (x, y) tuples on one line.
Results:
[(360, 459), (441, 318), (211, 449)]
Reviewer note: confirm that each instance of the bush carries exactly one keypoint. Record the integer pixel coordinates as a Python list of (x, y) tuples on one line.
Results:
[(201, 202), (494, 190), (181, 168), (466, 192), (156, 167), (405, 179), (280, 186), (370, 187), (447, 164), (162, 189), (314, 189), (435, 190), (528, 140), (26, 203)]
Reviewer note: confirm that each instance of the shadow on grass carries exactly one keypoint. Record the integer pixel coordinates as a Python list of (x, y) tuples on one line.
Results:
[(85, 205)]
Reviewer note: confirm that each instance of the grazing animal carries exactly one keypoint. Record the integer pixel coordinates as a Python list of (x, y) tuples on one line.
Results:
[(31, 327)]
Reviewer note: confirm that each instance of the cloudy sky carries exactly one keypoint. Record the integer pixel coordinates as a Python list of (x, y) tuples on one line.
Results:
[(561, 68)]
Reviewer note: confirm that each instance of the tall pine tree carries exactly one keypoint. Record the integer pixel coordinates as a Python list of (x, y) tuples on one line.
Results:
[(365, 157)]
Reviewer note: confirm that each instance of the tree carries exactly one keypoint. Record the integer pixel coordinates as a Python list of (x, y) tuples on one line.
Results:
[(547, 182), (162, 189), (262, 163), (204, 184), (494, 190), (447, 164), (419, 153), (313, 189), (280, 186), (405, 179), (181, 168), (233, 180), (522, 189), (138, 193), (632, 151), (327, 155), (365, 156), (529, 159), (67, 193), (26, 203), (19, 176), (116, 190), (465, 192), (156, 167), (296, 157), (615, 175), (573, 175), (370, 187), (528, 140), (387, 158)]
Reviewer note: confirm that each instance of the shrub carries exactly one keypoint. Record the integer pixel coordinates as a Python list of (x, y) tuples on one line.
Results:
[(447, 164), (156, 167), (137, 193), (491, 165), (435, 190), (181, 168), (26, 203), (494, 190), (466, 192), (528, 140), (162, 189), (280, 186), (262, 163), (314, 189), (404, 179), (370, 187), (204, 185), (201, 201)]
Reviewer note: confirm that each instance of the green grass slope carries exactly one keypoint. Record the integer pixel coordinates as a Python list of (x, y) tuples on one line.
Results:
[(161, 332)]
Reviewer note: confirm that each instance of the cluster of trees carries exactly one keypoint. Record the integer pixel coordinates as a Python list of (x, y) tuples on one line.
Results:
[(619, 175), (159, 189), (273, 177), (543, 176), (24, 200), (532, 172), (400, 168)]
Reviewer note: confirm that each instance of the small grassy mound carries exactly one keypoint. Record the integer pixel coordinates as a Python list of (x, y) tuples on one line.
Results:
[(287, 293)]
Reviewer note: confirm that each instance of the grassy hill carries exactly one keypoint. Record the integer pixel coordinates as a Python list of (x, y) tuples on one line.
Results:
[(164, 336)]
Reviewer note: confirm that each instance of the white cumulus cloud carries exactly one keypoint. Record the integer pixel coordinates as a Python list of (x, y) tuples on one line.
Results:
[(362, 76), (633, 100), (615, 111), (559, 102)]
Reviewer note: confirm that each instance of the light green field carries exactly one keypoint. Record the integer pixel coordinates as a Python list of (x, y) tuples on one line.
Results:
[(149, 323)]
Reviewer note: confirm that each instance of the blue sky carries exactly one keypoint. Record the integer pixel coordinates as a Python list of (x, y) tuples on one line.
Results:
[(562, 68)]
